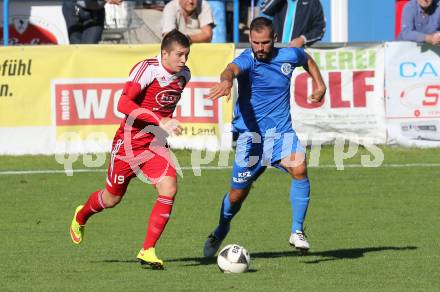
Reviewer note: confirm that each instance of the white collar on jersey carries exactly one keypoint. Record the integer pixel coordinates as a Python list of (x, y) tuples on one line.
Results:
[(162, 68), (165, 77)]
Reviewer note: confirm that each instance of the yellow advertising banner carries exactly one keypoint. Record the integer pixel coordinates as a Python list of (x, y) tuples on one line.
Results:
[(76, 88)]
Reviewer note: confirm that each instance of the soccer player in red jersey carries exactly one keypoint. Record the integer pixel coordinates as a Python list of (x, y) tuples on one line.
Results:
[(139, 147)]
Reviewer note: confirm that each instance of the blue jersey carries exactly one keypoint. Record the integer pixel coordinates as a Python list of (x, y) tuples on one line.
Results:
[(264, 91)]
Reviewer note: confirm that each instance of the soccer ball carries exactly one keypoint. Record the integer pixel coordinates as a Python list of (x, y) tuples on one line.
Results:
[(233, 258)]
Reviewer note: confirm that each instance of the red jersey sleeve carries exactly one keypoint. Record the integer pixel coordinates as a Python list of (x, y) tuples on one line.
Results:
[(142, 73), (140, 77)]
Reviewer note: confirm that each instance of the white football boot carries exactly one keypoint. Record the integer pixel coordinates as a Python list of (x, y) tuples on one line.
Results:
[(299, 241)]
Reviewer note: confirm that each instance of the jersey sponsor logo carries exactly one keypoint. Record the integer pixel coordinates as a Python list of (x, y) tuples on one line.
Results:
[(240, 180), (286, 68), (242, 177), (244, 174), (168, 98)]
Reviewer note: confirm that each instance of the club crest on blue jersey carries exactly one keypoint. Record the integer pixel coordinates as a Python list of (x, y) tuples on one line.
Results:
[(286, 68)]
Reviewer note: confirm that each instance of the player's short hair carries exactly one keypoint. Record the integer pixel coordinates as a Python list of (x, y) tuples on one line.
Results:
[(172, 37), (260, 23)]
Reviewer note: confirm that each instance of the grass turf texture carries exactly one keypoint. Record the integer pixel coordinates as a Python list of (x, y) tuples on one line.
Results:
[(369, 228)]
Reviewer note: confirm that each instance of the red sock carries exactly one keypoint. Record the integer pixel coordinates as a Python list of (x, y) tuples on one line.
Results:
[(94, 204), (158, 220)]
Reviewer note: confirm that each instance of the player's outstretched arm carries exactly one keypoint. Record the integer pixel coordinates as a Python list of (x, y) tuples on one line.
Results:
[(226, 81), (314, 72)]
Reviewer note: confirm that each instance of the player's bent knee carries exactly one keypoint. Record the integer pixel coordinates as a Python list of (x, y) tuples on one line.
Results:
[(237, 196), (167, 187), (168, 192), (113, 201), (298, 172), (110, 200)]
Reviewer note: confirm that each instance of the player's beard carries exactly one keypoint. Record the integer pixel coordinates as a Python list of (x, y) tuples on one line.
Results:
[(264, 56)]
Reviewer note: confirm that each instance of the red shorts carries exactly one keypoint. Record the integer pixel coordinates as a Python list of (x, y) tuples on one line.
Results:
[(152, 163)]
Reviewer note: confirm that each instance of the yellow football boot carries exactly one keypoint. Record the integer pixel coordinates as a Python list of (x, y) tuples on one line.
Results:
[(76, 230), (148, 257)]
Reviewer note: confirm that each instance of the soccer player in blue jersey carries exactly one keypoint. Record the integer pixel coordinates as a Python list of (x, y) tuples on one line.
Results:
[(264, 127)]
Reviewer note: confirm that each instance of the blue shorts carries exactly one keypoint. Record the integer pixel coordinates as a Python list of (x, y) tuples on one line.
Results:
[(254, 153)]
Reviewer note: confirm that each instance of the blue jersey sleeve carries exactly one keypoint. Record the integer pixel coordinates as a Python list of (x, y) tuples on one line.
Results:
[(244, 61), (301, 57)]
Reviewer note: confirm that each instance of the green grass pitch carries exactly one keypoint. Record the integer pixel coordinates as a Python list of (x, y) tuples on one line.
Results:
[(371, 229)]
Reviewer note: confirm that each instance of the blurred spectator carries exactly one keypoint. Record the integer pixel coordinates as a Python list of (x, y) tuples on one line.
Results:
[(421, 22), (297, 22), (85, 19), (191, 17)]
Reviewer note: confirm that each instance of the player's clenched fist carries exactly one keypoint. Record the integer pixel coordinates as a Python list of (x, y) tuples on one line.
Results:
[(317, 95)]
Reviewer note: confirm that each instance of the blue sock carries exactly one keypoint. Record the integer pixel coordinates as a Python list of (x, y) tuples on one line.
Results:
[(299, 199), (227, 212)]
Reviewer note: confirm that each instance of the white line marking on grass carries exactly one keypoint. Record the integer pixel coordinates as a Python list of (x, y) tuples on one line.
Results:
[(55, 171), (49, 171), (380, 166), (86, 170)]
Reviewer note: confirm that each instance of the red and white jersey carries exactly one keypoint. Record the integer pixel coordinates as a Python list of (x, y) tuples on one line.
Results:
[(160, 91)]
